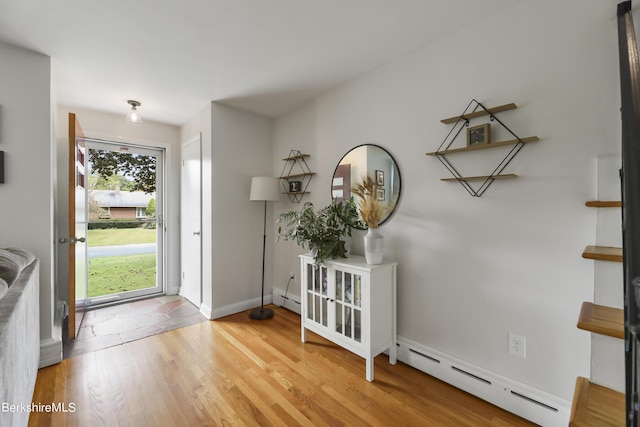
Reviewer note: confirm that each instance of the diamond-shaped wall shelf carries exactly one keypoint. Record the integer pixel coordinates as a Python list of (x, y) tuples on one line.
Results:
[(295, 176), (474, 110)]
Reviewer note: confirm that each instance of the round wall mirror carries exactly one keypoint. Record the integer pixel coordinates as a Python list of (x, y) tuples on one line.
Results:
[(374, 161)]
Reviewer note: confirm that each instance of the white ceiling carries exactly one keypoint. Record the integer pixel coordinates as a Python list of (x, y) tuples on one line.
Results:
[(264, 56)]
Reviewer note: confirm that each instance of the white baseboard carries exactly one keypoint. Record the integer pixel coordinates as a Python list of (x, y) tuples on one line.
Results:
[(288, 301), (237, 307), (534, 405), (50, 352), (206, 311)]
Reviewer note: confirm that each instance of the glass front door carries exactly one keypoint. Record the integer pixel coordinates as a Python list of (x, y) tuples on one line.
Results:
[(124, 211)]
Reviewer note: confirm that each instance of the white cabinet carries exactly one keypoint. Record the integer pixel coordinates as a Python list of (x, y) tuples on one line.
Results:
[(352, 304)]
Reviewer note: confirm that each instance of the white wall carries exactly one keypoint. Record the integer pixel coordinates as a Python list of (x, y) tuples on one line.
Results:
[(26, 197), (473, 269), (113, 127), (235, 147)]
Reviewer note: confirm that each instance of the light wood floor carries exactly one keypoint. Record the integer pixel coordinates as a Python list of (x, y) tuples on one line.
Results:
[(237, 371)]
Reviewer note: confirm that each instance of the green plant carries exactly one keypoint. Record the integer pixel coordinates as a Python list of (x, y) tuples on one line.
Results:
[(103, 224), (322, 232)]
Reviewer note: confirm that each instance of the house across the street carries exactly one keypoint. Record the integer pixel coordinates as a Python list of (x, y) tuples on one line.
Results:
[(116, 204)]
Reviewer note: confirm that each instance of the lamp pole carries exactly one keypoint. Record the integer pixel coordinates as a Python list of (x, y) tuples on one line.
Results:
[(262, 313)]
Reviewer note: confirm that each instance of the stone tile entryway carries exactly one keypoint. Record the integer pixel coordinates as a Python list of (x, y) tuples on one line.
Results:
[(109, 326)]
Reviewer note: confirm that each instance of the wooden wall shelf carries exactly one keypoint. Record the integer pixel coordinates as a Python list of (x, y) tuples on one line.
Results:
[(474, 110), (602, 320), (295, 169), (480, 113), (296, 156), (604, 204), (596, 406), (603, 253), (480, 178), (298, 175), (484, 146)]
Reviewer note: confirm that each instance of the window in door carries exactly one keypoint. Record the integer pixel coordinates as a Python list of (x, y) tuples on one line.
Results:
[(125, 245)]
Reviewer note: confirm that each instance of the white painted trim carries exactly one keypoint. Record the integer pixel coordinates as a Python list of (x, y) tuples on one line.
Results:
[(206, 311), (238, 307), (50, 352), (529, 403)]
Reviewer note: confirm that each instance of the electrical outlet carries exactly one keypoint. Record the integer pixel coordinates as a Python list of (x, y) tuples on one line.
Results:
[(517, 345), (292, 274)]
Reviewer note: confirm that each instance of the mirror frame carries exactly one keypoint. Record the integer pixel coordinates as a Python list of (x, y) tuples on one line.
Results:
[(398, 177)]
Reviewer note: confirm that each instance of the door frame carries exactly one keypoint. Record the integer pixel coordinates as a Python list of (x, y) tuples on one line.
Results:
[(74, 132), (171, 226), (161, 277)]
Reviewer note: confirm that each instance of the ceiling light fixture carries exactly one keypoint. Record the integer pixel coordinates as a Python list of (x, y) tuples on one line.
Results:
[(134, 116)]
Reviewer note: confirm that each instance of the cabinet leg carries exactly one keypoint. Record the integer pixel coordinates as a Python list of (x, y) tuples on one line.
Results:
[(303, 334), (393, 354), (369, 369)]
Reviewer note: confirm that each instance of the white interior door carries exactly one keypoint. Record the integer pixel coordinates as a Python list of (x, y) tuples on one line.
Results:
[(191, 221)]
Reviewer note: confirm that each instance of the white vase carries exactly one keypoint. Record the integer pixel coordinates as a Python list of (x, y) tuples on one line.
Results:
[(373, 246)]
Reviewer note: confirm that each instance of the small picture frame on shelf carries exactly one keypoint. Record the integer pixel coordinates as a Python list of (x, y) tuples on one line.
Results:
[(295, 186), (380, 177), (478, 134)]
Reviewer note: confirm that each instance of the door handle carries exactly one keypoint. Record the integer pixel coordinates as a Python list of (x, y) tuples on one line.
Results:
[(72, 240), (196, 233)]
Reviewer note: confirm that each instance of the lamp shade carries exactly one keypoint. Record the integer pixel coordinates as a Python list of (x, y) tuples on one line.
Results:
[(265, 188), (134, 116)]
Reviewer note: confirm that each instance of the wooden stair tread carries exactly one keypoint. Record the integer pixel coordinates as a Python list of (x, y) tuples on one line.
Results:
[(604, 203), (595, 405), (603, 253), (602, 320)]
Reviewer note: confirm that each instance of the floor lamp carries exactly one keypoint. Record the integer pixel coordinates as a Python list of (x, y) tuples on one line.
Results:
[(264, 189)]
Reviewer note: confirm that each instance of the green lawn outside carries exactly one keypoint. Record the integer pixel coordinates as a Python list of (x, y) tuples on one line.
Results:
[(120, 236), (112, 275)]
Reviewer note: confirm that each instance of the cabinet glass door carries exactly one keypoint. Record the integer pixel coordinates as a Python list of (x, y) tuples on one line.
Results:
[(348, 304), (317, 294)]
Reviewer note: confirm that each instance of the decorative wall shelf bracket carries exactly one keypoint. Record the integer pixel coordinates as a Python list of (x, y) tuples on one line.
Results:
[(476, 109), (295, 176)]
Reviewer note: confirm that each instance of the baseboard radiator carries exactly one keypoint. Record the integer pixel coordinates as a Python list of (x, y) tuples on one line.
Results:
[(286, 300), (529, 403)]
